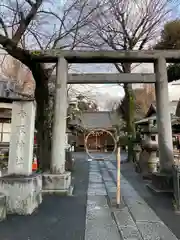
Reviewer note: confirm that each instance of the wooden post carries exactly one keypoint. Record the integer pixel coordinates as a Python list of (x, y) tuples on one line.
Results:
[(118, 191)]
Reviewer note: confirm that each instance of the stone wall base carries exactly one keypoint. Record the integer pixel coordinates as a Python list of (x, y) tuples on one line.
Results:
[(56, 183), (2, 207), (23, 193)]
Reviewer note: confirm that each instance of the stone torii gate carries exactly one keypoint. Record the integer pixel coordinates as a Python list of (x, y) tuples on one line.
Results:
[(158, 58), (160, 79)]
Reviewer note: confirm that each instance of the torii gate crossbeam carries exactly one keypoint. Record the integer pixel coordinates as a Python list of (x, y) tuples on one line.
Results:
[(109, 78), (146, 56)]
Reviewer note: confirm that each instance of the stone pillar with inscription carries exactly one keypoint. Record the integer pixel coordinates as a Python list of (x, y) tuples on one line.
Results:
[(21, 186), (59, 180), (22, 138)]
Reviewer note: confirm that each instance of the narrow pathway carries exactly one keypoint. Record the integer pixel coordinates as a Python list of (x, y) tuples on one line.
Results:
[(99, 221)]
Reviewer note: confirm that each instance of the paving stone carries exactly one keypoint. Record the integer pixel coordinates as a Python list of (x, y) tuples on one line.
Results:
[(110, 165), (95, 180), (99, 222), (142, 213), (96, 185), (130, 233), (124, 218), (126, 224), (138, 207), (155, 231), (106, 176), (111, 188), (98, 193)]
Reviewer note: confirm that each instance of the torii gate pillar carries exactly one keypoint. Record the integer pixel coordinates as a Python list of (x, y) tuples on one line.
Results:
[(59, 180), (163, 116)]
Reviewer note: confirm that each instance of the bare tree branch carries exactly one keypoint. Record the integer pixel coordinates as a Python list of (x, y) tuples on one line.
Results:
[(3, 26), (26, 21), (129, 24), (30, 2)]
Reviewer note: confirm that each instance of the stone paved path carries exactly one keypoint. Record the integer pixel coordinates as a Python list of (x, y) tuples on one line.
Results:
[(99, 222), (136, 220)]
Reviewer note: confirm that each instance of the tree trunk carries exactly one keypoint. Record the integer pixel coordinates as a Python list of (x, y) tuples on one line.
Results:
[(41, 76), (130, 119), (43, 131), (130, 112), (42, 116)]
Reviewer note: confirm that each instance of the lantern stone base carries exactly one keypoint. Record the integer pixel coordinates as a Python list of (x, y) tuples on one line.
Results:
[(57, 183), (161, 183), (23, 193), (2, 207)]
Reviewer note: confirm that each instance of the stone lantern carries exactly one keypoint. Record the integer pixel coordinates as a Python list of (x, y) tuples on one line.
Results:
[(152, 161), (148, 160)]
